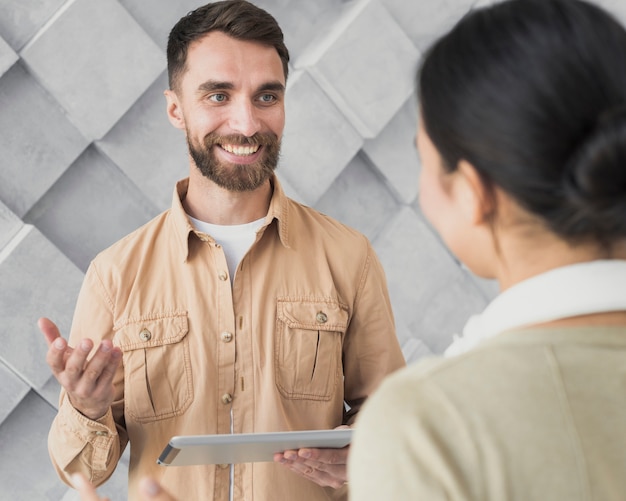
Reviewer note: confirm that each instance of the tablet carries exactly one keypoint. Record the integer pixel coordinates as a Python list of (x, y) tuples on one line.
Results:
[(247, 447)]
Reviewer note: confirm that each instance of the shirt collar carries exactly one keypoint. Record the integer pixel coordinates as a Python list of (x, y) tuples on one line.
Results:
[(184, 229), (578, 289)]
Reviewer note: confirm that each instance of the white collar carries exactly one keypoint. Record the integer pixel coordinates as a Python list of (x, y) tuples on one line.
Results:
[(578, 289)]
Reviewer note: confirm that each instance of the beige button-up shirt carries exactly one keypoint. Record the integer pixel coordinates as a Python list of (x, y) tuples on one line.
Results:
[(306, 325)]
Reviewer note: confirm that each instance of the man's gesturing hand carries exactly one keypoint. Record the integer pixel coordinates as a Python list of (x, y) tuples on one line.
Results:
[(88, 383)]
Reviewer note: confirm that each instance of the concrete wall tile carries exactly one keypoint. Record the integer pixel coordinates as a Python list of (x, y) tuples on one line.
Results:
[(159, 16), (37, 142), (359, 199), (12, 390), (302, 22), (26, 429), (318, 141), (19, 21), (424, 21), (92, 193), (37, 280), (369, 84), (102, 78), (148, 149), (394, 153), (7, 56), (10, 224), (429, 291), (51, 389), (287, 188)]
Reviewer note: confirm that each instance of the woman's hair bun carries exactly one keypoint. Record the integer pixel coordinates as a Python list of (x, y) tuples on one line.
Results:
[(595, 181)]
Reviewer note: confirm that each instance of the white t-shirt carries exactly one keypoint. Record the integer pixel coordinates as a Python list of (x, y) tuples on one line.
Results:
[(235, 239)]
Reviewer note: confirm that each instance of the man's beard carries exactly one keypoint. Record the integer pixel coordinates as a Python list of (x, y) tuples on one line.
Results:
[(232, 176)]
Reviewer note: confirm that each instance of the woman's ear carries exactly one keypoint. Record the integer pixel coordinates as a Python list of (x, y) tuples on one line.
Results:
[(474, 195), (174, 109)]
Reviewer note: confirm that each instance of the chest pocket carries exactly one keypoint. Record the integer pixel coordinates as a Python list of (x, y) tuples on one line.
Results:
[(157, 367), (308, 348)]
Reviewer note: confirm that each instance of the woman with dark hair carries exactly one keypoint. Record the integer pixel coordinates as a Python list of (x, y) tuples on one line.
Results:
[(522, 137)]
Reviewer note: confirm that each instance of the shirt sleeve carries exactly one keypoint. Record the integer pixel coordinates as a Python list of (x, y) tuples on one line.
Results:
[(371, 350), (411, 443), (75, 442)]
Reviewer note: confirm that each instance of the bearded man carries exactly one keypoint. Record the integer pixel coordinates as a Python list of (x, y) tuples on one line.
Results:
[(237, 310)]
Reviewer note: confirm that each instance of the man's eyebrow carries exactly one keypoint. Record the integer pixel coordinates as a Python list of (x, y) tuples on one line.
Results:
[(275, 86), (213, 85)]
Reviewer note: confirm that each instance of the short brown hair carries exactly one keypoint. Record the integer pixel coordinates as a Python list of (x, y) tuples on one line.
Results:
[(236, 18)]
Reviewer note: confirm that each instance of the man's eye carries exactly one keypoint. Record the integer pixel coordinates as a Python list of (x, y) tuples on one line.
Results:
[(267, 98), (218, 98)]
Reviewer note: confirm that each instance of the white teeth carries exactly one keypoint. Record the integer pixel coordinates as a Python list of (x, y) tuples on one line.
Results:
[(240, 150)]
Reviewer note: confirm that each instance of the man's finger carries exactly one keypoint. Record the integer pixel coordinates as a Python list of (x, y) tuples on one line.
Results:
[(96, 368), (49, 329)]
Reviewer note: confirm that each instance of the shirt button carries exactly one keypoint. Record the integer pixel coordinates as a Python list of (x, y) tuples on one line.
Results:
[(321, 317), (223, 276), (145, 335), (101, 433), (227, 337), (227, 398)]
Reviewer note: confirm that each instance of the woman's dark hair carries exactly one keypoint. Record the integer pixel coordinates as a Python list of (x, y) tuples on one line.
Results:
[(236, 18), (533, 94)]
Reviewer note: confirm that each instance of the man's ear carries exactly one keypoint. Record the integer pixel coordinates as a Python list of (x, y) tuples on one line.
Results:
[(174, 110), (474, 195)]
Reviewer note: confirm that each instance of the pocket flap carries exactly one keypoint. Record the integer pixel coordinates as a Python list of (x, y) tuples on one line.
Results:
[(152, 331), (313, 315)]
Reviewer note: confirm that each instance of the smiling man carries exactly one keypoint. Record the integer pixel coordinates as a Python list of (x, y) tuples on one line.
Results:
[(237, 310)]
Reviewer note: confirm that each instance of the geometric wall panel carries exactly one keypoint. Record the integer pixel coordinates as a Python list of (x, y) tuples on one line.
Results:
[(26, 429), (359, 199), (158, 17), (12, 390), (318, 141), (302, 22), (20, 20), (394, 154), (151, 152), (368, 85), (37, 141), (101, 77), (7, 56), (10, 224), (423, 21), (429, 292), (90, 207), (37, 280)]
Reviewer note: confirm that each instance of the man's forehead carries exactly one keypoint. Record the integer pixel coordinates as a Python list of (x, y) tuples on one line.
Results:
[(227, 58)]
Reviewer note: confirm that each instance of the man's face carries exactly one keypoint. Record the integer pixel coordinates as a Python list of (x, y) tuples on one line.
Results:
[(230, 102)]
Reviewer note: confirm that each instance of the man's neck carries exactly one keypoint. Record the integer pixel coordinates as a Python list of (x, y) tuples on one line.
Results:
[(212, 204)]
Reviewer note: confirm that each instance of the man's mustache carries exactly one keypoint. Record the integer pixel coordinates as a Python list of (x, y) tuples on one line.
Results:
[(259, 138)]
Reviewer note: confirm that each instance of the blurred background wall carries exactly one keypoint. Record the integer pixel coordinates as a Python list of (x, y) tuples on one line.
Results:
[(87, 155)]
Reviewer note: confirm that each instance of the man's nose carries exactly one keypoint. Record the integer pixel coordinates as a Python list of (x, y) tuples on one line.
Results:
[(244, 118)]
